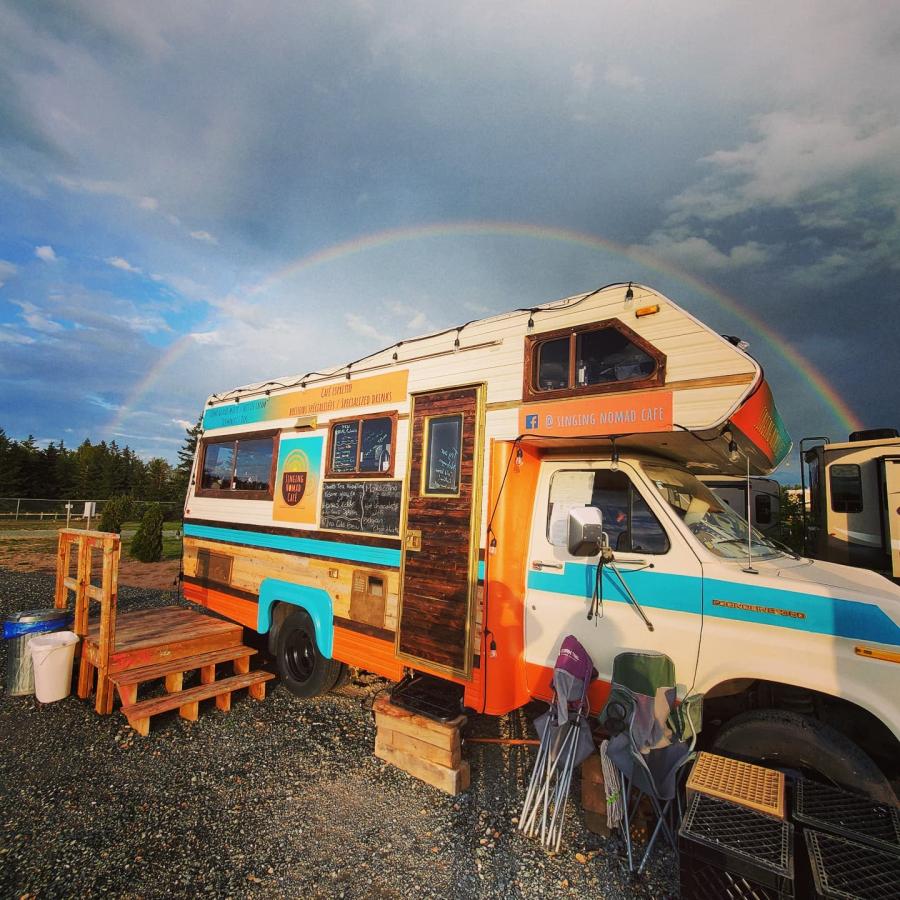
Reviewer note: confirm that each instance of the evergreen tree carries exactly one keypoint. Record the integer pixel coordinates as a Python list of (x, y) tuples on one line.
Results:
[(182, 473), (147, 543)]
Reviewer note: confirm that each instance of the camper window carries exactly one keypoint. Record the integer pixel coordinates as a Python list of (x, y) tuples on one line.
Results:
[(590, 360), (363, 445), (627, 520), (443, 445), (764, 509), (846, 488), (240, 468)]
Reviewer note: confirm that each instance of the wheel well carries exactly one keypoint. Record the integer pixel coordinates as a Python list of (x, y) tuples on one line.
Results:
[(730, 698), (279, 614)]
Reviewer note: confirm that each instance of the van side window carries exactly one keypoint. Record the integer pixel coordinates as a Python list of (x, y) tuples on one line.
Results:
[(363, 445), (241, 468), (590, 360), (846, 488), (627, 519)]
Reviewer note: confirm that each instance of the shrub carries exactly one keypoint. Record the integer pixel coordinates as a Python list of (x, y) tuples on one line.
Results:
[(148, 542), (115, 512)]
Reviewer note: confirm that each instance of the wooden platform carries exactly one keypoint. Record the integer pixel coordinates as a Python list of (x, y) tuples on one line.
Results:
[(427, 749)]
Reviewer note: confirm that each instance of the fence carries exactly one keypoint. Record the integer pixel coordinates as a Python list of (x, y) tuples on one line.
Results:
[(34, 509)]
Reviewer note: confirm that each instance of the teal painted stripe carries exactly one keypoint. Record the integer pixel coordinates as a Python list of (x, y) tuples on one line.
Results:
[(481, 570), (381, 556), (851, 619)]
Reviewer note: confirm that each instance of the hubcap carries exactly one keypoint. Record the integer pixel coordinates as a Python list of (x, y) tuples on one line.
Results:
[(299, 655)]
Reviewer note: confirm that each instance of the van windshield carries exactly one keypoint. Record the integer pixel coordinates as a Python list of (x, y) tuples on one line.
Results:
[(714, 523)]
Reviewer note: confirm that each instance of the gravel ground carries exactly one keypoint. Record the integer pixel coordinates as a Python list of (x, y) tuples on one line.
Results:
[(276, 799)]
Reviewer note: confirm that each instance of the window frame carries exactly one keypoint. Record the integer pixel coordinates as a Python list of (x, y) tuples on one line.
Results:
[(235, 439), (426, 458), (530, 390), (859, 482), (357, 473), (633, 489)]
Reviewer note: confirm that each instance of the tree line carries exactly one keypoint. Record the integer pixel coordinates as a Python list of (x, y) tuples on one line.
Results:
[(92, 471)]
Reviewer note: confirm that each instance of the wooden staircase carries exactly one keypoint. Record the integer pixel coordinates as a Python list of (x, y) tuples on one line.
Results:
[(134, 648)]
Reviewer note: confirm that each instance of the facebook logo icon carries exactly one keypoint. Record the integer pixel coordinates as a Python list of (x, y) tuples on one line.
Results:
[(531, 421)]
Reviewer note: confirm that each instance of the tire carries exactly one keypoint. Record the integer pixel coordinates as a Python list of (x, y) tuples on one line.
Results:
[(787, 740), (303, 669)]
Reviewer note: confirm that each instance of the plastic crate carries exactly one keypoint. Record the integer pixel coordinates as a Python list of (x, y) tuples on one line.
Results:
[(847, 870), (701, 881), (828, 808), (740, 842), (738, 782)]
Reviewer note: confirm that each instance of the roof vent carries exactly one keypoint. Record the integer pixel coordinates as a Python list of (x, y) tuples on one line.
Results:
[(874, 434)]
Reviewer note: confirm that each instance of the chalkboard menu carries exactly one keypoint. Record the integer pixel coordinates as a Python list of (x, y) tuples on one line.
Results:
[(375, 455), (370, 506), (444, 438), (344, 441)]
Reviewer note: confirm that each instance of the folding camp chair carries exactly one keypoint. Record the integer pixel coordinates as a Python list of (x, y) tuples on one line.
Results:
[(565, 743), (652, 739)]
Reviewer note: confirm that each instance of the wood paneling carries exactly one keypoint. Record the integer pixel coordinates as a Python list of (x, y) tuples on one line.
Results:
[(437, 589)]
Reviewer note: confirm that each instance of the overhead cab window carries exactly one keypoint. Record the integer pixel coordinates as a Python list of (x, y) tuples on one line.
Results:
[(602, 357), (363, 445), (241, 468)]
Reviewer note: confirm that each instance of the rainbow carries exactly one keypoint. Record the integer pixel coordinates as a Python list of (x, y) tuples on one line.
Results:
[(808, 373)]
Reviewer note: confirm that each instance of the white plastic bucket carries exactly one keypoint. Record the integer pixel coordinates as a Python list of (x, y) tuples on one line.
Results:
[(52, 656)]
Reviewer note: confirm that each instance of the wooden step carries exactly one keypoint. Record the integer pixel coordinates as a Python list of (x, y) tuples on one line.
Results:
[(187, 702), (173, 671)]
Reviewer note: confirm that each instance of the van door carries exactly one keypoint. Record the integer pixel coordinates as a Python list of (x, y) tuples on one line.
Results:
[(655, 561), (891, 477), (439, 565)]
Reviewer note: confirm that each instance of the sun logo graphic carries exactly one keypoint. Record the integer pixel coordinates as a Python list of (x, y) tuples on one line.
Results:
[(294, 477)]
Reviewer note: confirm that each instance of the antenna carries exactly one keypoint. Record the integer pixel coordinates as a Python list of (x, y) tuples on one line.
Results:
[(749, 567)]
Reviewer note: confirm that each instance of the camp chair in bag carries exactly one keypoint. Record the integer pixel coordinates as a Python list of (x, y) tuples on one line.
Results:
[(651, 740), (565, 743)]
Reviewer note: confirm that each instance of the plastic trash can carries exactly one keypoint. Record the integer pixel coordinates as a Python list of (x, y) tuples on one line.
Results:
[(18, 629), (53, 656)]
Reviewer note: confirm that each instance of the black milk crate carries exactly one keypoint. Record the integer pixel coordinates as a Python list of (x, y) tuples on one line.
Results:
[(828, 808), (846, 870), (750, 853)]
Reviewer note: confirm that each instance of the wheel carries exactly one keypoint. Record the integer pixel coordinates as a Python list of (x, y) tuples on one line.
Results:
[(788, 740), (302, 667)]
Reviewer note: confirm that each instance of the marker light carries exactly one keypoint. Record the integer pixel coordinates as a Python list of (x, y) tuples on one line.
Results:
[(646, 311)]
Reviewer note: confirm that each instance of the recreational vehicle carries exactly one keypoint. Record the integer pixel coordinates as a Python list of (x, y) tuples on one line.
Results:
[(457, 504), (763, 503), (854, 499)]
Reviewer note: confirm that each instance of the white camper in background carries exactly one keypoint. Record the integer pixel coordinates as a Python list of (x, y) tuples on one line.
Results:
[(854, 500), (765, 498)]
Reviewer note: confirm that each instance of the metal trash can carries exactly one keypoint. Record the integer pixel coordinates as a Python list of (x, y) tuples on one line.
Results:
[(18, 630)]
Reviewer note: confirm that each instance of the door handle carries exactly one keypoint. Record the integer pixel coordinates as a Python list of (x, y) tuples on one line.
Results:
[(540, 564), (633, 562)]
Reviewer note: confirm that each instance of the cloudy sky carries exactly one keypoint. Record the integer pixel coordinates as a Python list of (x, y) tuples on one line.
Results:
[(198, 195)]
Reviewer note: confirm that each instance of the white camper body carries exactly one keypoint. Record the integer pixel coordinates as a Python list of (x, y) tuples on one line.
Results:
[(409, 511), (854, 501)]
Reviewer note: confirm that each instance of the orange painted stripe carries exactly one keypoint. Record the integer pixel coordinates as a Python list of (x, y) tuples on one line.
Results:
[(369, 653), (242, 611)]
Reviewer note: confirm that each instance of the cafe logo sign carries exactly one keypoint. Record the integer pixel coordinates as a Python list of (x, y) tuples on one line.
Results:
[(293, 486)]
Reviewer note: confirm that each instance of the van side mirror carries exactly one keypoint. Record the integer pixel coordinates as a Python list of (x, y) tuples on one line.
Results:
[(585, 531)]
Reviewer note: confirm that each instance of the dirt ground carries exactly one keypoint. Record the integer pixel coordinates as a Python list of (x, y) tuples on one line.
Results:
[(38, 556)]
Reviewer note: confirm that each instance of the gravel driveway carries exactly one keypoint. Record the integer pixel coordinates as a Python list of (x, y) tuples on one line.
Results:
[(276, 799)]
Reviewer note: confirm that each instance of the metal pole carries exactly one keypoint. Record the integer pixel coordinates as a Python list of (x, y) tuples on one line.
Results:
[(18, 501)]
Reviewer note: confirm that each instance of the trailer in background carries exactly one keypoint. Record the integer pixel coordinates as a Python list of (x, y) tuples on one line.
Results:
[(854, 499), (765, 498)]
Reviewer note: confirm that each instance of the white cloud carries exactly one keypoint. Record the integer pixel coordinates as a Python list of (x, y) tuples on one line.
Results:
[(7, 269), (9, 336), (206, 337), (203, 236), (413, 320), (364, 328), (619, 76), (693, 252), (183, 423), (117, 262), (35, 318), (46, 253)]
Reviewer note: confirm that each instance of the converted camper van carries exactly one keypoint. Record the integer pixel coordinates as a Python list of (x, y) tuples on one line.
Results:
[(434, 507), (854, 499), (758, 496)]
